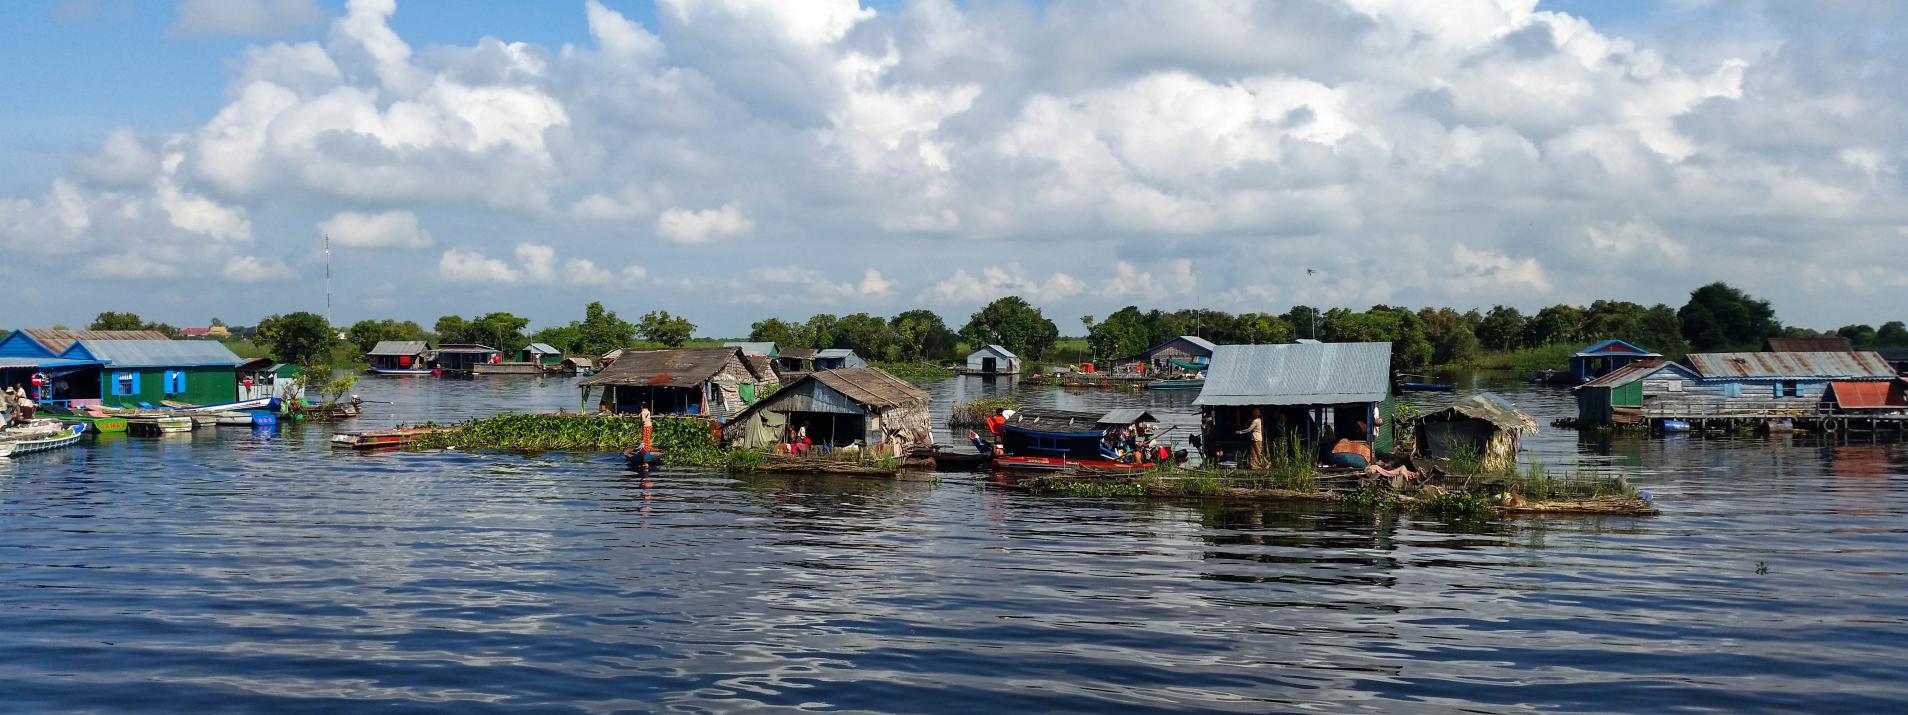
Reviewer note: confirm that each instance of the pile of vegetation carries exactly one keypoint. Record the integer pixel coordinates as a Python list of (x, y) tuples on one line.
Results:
[(974, 414), (914, 370), (683, 441)]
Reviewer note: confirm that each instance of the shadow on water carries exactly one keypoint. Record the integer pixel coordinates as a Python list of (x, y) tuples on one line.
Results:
[(228, 569)]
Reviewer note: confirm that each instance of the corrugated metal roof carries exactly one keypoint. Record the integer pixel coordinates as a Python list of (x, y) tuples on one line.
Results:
[(1631, 373), (465, 348), (400, 347), (834, 353), (871, 386), (1867, 395), (1615, 347), (1819, 344), (59, 340), (1127, 416), (688, 367), (796, 353), (764, 348), (1003, 352), (543, 349), (1764, 366), (1199, 341), (1298, 374), (162, 353), (15, 362)]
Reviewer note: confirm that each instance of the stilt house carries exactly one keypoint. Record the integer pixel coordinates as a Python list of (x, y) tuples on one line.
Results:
[(993, 360), (1300, 389), (838, 408), (717, 382)]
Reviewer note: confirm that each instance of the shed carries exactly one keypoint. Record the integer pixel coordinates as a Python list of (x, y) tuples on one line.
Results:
[(1484, 427), (792, 363), (993, 360), (1186, 352), (461, 357), (1605, 357), (577, 365), (199, 372), (839, 407), (755, 348), (837, 358), (1299, 388), (541, 354), (1617, 398), (399, 355), (1815, 344), (698, 381), (1867, 396)]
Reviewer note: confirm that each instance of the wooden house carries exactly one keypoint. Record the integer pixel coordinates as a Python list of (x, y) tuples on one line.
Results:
[(463, 357), (1617, 397), (1725, 386), (756, 348), (1606, 357), (792, 363), (837, 358), (148, 372), (1183, 353), (399, 356), (1299, 388), (1484, 427), (540, 354), (1784, 378), (838, 408), (993, 360), (716, 382), (268, 379), (67, 380), (575, 365)]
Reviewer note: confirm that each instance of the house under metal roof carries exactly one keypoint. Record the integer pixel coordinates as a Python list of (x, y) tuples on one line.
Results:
[(686, 367), (1615, 347), (758, 348), (1818, 344), (59, 340), (1633, 372), (1791, 366), (400, 347), (1298, 374), (543, 349), (162, 353)]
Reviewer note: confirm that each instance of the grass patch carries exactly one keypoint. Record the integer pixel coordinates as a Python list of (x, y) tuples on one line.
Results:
[(1527, 360), (915, 370)]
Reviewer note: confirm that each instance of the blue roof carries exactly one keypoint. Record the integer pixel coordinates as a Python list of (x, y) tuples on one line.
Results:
[(1603, 348), (163, 353), (20, 362)]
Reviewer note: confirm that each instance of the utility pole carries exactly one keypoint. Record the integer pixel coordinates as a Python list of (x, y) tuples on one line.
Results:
[(1313, 273), (327, 279)]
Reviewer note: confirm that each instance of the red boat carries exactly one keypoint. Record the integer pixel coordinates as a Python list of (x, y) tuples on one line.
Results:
[(382, 438)]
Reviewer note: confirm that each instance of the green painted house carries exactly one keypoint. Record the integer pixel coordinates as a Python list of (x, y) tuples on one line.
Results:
[(200, 372)]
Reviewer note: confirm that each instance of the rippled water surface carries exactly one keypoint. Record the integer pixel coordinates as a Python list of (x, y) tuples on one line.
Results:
[(227, 570)]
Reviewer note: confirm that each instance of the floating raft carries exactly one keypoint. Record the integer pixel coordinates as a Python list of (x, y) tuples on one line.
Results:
[(381, 439)]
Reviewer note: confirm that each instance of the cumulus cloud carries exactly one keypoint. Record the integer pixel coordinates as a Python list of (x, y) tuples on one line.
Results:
[(252, 269), (684, 226), (385, 229), (817, 285), (1524, 147), (246, 18)]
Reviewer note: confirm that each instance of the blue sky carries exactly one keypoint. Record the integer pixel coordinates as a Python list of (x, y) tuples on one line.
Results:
[(736, 159)]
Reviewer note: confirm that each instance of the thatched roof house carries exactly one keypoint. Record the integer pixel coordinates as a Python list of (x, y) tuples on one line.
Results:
[(717, 382), (838, 408), (1484, 427)]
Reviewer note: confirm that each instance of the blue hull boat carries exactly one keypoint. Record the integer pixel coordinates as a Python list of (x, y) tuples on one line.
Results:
[(1428, 386), (642, 459)]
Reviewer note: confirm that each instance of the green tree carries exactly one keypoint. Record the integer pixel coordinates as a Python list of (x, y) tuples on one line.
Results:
[(502, 331), (300, 338), (452, 329), (602, 331), (1662, 331), (1719, 316), (1125, 332), (366, 334), (778, 331), (664, 328), (110, 320), (1306, 321), (1891, 334), (567, 337), (867, 335), (1860, 336), (1450, 335), (921, 335), (1503, 328), (819, 331), (1555, 324), (1013, 324), (1263, 328)]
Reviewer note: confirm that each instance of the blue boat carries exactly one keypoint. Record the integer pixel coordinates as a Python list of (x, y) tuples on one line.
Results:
[(1175, 384), (642, 459), (1675, 425), (1428, 386)]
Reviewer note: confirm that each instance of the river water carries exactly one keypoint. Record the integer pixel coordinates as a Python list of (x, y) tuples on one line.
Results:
[(228, 570)]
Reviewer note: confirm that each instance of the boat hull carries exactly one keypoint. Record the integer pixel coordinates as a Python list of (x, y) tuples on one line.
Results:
[(379, 439), (14, 448), (400, 371), (1427, 386), (1175, 384)]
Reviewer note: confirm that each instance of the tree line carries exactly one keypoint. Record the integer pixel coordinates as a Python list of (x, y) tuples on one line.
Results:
[(1717, 317)]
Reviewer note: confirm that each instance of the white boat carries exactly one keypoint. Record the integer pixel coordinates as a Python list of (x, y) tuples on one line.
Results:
[(159, 424), (28, 443), (234, 419), (262, 403)]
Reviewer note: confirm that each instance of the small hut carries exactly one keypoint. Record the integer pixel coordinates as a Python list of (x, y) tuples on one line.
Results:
[(839, 407), (1300, 388), (837, 358), (1188, 353), (577, 365), (758, 348), (542, 354), (462, 357), (399, 356), (792, 363), (692, 381), (993, 360), (1484, 426)]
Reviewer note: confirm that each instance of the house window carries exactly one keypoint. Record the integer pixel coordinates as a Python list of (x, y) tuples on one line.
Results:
[(1733, 389), (1788, 388), (175, 382), (125, 384), (1676, 386)]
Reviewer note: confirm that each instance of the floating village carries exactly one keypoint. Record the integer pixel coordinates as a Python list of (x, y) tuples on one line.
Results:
[(1306, 420)]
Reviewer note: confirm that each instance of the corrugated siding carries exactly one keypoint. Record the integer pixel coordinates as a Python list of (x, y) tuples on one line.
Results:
[(1298, 374)]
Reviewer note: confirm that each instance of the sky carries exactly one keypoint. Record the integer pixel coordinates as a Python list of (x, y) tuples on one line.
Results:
[(731, 160)]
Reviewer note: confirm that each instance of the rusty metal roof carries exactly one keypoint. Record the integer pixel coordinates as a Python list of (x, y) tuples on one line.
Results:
[(1789, 366), (1868, 395), (1820, 344), (1631, 373), (59, 340)]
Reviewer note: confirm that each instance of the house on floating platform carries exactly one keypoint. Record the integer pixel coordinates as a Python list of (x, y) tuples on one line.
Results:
[(464, 357), (1185, 352), (715, 382), (268, 379), (1617, 398), (1785, 378), (1484, 427), (1606, 357), (1727, 386), (1311, 386), (837, 358), (574, 365), (199, 372), (542, 354), (67, 380), (992, 360), (399, 357), (792, 363), (756, 348), (839, 407)]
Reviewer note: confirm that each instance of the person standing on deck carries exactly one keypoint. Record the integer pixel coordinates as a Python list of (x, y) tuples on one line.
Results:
[(1256, 428), (647, 424)]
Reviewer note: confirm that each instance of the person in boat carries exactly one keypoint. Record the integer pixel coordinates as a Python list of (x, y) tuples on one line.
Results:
[(1256, 429)]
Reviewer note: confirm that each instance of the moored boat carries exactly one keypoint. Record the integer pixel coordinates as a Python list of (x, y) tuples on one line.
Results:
[(29, 442), (262, 403), (154, 424), (1428, 386), (1056, 442), (381, 439), (98, 422), (1188, 384)]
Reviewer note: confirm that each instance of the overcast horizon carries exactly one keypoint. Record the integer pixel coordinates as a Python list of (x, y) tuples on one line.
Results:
[(735, 160)]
